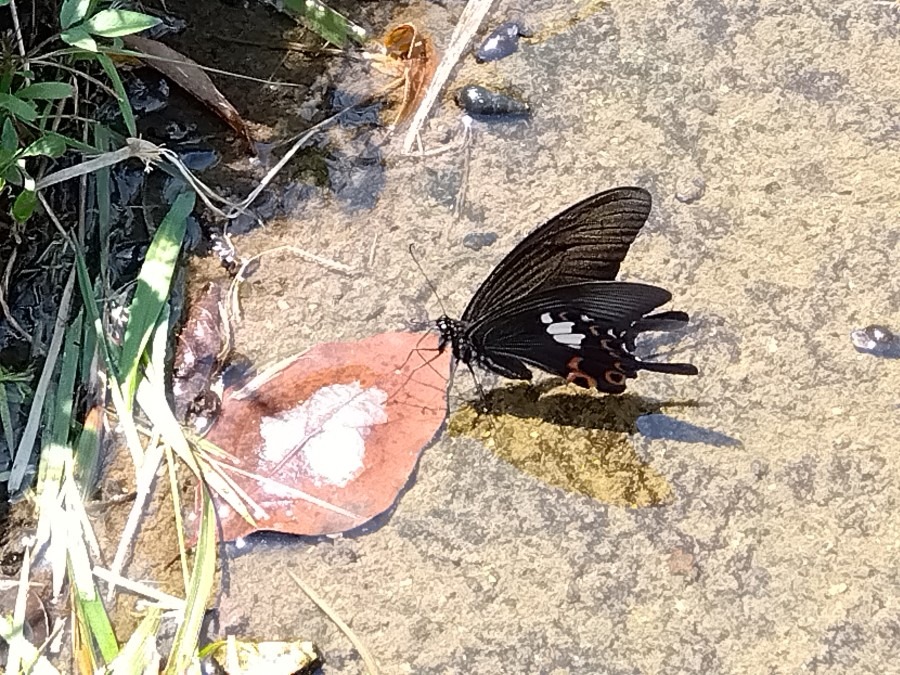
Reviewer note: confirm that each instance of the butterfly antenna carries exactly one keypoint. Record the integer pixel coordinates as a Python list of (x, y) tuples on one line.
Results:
[(433, 288)]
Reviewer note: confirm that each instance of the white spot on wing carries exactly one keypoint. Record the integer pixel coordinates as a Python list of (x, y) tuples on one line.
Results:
[(570, 339), (560, 328), (546, 318), (585, 318), (328, 431)]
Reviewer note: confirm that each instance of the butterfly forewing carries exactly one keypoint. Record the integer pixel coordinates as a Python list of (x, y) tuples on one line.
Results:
[(615, 304), (586, 242)]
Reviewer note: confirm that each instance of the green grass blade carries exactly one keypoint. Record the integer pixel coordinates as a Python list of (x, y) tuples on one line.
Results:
[(175, 491), (88, 297), (124, 105), (18, 645), (87, 457), (88, 350), (9, 432), (107, 350), (86, 600), (152, 291), (325, 22), (65, 387), (89, 608), (56, 455), (29, 434), (184, 647), (104, 201)]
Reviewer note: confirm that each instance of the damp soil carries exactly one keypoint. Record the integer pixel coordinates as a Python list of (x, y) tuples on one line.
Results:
[(737, 522), (766, 134)]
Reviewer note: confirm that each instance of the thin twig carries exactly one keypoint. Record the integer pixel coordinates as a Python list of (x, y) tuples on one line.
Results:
[(20, 43), (278, 45), (78, 73), (301, 141), (145, 479), (164, 600), (220, 468), (4, 286), (466, 27), (18, 644), (208, 69), (371, 261), (460, 201), (368, 659), (176, 504), (288, 491)]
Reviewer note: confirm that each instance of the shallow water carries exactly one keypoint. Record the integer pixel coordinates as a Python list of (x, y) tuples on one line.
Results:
[(783, 472)]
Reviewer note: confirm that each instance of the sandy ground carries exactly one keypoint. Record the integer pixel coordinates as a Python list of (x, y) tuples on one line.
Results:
[(773, 547)]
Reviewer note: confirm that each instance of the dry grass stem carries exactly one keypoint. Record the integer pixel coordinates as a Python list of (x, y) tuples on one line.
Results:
[(465, 30), (368, 659)]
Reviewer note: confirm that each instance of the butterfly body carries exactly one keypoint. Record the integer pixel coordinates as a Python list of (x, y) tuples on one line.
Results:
[(553, 302)]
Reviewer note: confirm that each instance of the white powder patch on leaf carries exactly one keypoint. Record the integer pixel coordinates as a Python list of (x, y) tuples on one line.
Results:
[(328, 431)]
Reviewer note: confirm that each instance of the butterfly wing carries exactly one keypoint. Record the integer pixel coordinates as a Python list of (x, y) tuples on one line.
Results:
[(584, 243), (582, 332)]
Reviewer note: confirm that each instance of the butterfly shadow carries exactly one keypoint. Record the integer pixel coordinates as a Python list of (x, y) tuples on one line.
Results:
[(569, 438), (577, 440), (574, 407), (568, 406)]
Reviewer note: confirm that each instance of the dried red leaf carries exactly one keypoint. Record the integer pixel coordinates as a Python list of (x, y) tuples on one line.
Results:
[(332, 434), (410, 57), (188, 75)]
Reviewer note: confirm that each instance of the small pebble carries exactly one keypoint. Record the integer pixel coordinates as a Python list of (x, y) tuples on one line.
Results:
[(689, 190), (503, 41), (876, 340), (705, 103), (478, 240), (198, 159), (837, 589), (482, 103), (683, 564)]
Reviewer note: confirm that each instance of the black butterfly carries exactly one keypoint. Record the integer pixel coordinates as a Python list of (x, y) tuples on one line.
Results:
[(553, 302)]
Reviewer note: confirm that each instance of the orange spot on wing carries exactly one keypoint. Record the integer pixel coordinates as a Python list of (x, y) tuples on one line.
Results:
[(578, 376), (615, 377)]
